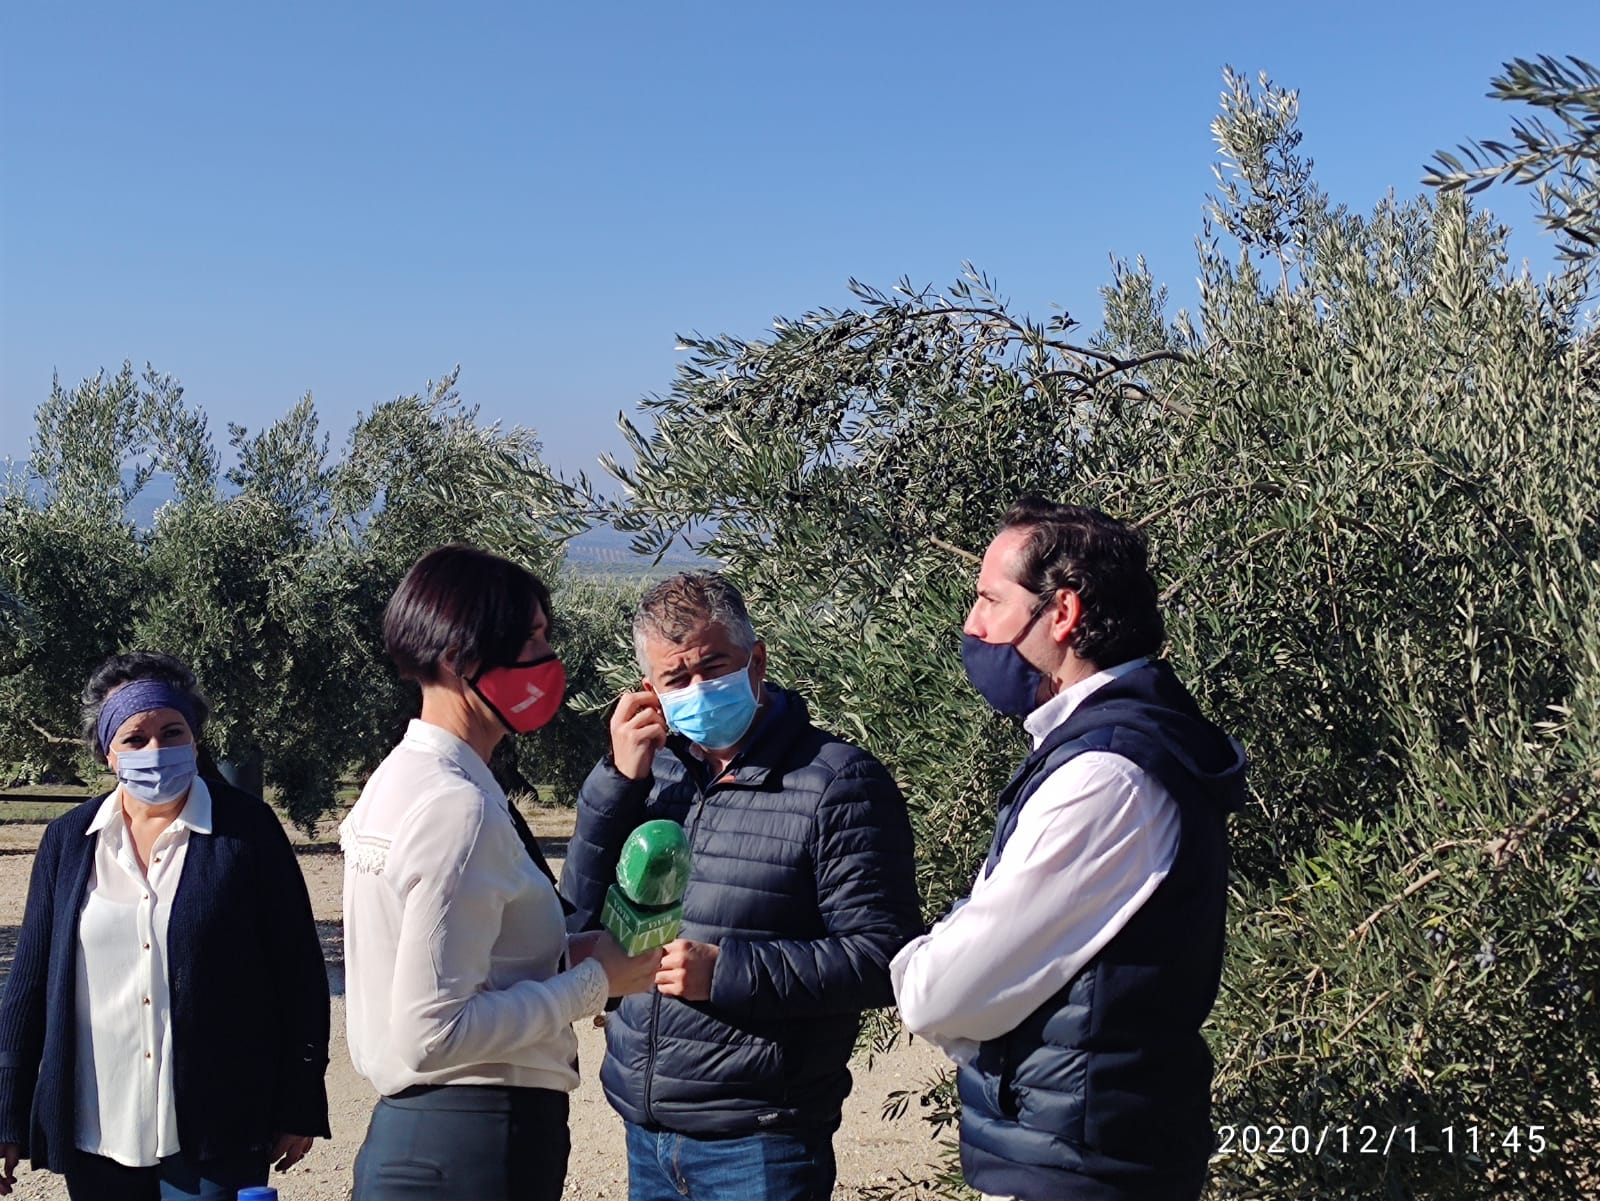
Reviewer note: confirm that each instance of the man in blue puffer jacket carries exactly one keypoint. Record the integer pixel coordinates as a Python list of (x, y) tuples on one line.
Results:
[(1072, 984), (730, 1075)]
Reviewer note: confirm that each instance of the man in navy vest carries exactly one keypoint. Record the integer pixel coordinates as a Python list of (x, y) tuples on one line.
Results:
[(1072, 983)]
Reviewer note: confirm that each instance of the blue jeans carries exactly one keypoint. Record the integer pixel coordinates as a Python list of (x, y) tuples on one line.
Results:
[(96, 1178), (780, 1166)]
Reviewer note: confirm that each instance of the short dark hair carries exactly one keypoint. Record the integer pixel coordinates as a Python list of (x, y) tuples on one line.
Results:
[(118, 670), (678, 605), (460, 605), (1105, 562)]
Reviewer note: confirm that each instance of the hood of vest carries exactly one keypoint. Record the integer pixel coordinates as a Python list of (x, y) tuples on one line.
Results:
[(1153, 701)]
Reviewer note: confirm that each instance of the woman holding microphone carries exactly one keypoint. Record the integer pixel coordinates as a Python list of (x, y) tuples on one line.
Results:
[(462, 984)]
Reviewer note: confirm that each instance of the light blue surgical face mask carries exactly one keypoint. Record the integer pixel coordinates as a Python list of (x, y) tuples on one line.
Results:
[(157, 776), (713, 713)]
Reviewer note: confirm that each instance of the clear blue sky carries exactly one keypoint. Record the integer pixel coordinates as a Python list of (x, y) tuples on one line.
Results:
[(351, 198)]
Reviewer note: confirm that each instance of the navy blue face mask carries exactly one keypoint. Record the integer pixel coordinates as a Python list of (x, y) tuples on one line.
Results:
[(999, 672)]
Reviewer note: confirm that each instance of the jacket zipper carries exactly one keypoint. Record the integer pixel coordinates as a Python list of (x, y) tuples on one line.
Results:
[(694, 819), (655, 997), (650, 1063)]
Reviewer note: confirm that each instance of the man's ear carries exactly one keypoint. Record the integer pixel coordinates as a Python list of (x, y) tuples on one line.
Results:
[(1065, 614), (758, 664)]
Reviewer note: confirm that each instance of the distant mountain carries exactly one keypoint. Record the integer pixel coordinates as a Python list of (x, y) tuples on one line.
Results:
[(157, 492), (142, 510), (605, 551), (602, 551)]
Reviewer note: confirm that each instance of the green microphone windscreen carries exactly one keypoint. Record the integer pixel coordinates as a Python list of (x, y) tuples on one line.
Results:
[(653, 868)]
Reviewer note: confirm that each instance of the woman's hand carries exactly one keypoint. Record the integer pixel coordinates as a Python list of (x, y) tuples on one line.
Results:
[(10, 1153), (581, 946), (624, 974), (289, 1149)]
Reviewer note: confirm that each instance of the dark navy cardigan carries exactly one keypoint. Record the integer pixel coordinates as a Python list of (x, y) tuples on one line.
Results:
[(248, 986)]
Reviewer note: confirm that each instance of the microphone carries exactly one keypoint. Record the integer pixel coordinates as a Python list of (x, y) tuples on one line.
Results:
[(644, 908)]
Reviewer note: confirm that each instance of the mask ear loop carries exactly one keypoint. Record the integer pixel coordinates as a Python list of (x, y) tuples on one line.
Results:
[(472, 683), (483, 671), (1032, 617)]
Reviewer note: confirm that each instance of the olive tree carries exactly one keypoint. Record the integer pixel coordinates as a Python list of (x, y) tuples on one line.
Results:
[(269, 578), (71, 567), (246, 587), (1369, 466)]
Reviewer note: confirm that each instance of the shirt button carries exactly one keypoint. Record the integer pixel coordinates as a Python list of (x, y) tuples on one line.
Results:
[(157, 859), (147, 946), (147, 1054), (147, 1000)]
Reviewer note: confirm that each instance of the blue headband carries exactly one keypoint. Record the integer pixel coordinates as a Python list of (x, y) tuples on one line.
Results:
[(141, 696)]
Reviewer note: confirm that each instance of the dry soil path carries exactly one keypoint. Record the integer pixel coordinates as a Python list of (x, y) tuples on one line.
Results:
[(870, 1150)]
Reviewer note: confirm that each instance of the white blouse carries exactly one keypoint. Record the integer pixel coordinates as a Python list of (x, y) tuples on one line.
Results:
[(123, 1083), (452, 935)]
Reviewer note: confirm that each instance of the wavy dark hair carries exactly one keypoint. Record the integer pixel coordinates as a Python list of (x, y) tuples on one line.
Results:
[(1106, 562)]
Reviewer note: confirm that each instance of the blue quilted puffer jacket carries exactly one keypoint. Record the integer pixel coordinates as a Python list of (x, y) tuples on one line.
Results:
[(803, 878)]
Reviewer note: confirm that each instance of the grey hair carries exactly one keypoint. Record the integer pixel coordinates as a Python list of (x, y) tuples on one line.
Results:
[(677, 606)]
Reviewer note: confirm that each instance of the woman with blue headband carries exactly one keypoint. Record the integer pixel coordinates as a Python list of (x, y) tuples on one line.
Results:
[(164, 1030)]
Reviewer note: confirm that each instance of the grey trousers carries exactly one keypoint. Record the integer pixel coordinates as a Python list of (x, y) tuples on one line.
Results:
[(465, 1140)]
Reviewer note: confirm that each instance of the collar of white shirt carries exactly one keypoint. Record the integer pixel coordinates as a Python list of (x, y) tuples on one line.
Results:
[(1058, 708), (195, 815), (440, 742)]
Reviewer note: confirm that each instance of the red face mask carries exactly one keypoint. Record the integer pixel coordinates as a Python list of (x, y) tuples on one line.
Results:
[(524, 696)]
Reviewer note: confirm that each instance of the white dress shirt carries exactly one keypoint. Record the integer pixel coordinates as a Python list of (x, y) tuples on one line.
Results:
[(1089, 848), (452, 935), (123, 1082)]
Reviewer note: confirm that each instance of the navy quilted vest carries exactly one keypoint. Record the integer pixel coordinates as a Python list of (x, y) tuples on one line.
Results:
[(1103, 1092)]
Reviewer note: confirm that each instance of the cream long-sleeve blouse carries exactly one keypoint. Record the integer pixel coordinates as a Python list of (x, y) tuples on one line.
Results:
[(455, 943)]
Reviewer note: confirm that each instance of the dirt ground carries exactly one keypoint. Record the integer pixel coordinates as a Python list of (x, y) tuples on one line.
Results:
[(870, 1150)]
